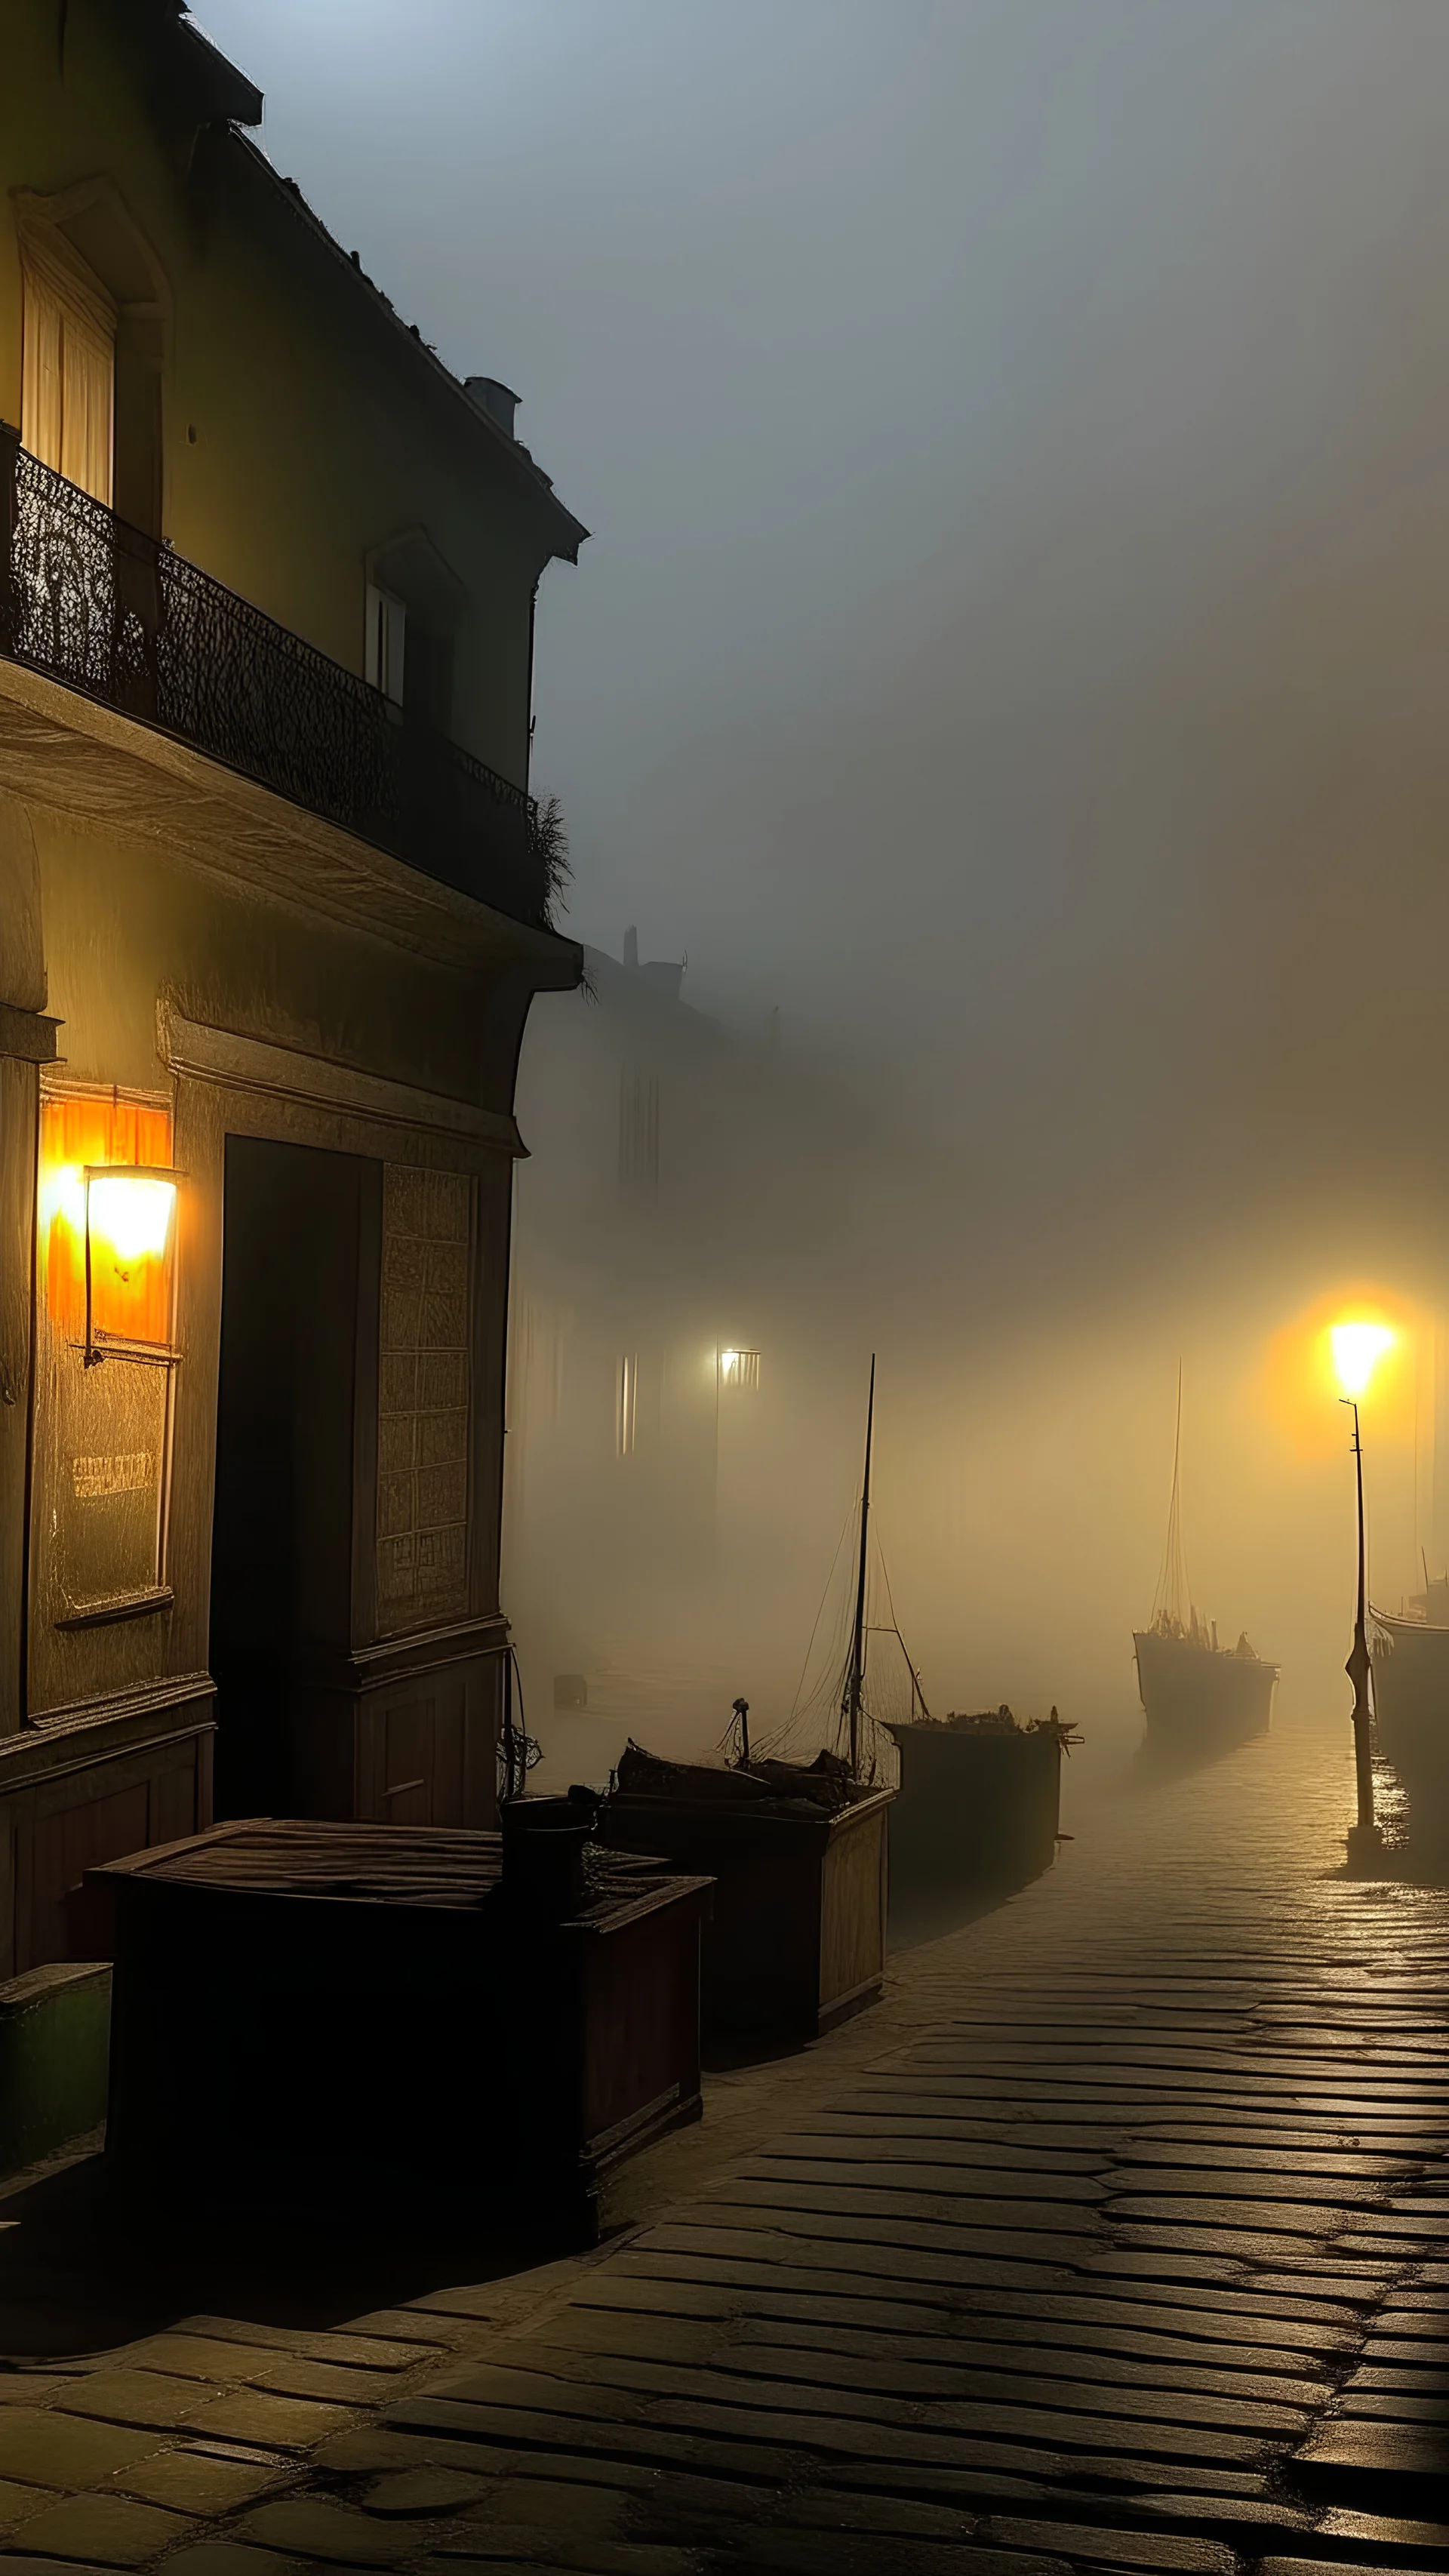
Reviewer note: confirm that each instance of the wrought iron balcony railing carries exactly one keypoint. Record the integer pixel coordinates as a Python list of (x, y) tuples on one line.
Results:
[(92, 602)]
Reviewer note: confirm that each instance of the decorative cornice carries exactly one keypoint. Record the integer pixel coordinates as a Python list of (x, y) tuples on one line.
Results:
[(201, 1053), (28, 1035), (98, 1730)]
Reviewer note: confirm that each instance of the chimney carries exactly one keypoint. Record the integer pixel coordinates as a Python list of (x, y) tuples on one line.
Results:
[(631, 948), (497, 400)]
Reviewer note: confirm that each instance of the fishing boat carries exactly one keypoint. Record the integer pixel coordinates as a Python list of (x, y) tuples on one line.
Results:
[(1195, 1693), (978, 1796), (979, 1804), (1410, 1669), (796, 1848)]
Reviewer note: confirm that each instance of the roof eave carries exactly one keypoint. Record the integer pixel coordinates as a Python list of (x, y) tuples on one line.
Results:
[(568, 532)]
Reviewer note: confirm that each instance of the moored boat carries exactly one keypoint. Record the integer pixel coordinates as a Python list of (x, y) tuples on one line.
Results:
[(1410, 1669), (979, 1801), (797, 1851), (1191, 1687), (1195, 1693)]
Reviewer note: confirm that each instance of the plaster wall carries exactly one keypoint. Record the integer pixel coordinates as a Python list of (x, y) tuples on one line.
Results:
[(302, 429)]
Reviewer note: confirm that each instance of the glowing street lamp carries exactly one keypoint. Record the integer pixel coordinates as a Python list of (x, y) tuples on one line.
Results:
[(1357, 1349)]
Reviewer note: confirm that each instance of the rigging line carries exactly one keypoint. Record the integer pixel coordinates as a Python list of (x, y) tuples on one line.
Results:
[(820, 1613), (916, 1690), (890, 1597), (1173, 1594)]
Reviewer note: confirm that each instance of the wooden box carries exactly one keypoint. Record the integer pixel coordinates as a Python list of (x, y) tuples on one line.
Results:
[(975, 1808), (796, 1937), (308, 2015)]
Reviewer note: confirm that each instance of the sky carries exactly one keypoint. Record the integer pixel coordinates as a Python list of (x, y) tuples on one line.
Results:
[(1015, 437)]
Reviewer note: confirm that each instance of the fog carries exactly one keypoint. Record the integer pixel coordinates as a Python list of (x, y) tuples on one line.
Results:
[(1012, 642)]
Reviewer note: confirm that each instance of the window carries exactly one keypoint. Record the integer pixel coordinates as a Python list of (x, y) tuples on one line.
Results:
[(386, 632), (68, 368), (739, 1370), (627, 1411), (638, 1129), (414, 600)]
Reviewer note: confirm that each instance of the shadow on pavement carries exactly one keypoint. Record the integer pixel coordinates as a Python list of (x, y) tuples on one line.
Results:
[(928, 1912), (75, 2279)]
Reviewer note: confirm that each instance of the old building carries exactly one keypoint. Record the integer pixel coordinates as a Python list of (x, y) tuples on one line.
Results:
[(274, 902), (691, 1321)]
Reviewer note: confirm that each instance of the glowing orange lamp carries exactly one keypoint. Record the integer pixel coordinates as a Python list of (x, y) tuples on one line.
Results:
[(128, 1212)]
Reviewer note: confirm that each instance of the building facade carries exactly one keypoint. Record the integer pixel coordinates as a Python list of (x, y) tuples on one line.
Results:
[(274, 902), (690, 1349)]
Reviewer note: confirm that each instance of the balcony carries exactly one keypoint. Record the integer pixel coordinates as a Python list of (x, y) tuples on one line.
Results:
[(92, 602)]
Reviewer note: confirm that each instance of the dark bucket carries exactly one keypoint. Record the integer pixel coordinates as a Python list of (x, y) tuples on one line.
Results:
[(543, 1852)]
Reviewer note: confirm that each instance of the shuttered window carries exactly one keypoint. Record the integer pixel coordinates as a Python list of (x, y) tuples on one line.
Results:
[(68, 369)]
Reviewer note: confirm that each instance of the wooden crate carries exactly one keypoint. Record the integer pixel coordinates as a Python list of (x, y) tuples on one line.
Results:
[(796, 1937), (975, 1809), (308, 2015)]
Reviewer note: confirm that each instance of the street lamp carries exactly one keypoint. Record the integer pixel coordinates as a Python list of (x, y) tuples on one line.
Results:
[(1357, 1349)]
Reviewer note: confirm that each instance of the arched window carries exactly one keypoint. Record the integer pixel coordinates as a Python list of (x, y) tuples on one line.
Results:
[(96, 327)]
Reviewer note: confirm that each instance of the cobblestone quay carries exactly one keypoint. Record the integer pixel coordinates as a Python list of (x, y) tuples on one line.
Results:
[(1115, 2240)]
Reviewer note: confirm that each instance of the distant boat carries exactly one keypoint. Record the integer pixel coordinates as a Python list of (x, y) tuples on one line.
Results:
[(1193, 1690)]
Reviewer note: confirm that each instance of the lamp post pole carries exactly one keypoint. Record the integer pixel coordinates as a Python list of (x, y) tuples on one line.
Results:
[(1365, 1842)]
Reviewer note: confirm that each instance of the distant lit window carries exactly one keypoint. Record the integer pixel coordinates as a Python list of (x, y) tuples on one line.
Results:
[(386, 634), (627, 1421), (638, 1129), (739, 1370)]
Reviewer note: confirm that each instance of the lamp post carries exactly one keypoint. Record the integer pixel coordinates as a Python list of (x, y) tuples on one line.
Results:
[(1357, 1350)]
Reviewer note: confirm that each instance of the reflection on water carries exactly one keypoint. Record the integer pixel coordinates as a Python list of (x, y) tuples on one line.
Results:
[(1164, 1757), (1414, 1821)]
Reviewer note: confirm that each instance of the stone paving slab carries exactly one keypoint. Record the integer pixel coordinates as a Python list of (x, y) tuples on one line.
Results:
[(1118, 2240)]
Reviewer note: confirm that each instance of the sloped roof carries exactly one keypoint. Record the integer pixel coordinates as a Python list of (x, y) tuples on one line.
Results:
[(220, 96)]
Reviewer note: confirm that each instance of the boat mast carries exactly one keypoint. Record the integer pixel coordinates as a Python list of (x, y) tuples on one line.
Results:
[(1172, 1592), (857, 1642)]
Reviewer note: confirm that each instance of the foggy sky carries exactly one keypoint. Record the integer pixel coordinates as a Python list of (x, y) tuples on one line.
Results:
[(1016, 437), (1015, 434)]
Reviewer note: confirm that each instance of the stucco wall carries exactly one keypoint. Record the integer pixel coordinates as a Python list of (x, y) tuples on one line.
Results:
[(302, 430)]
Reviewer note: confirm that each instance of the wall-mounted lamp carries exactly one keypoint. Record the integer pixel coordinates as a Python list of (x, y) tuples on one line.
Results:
[(128, 1216)]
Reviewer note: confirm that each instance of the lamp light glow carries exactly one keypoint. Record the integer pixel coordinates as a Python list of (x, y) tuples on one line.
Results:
[(739, 1371), (130, 1214), (1357, 1350)]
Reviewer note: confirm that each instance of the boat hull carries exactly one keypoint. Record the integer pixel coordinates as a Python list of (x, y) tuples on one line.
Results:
[(1411, 1721), (1192, 1695), (975, 1809)]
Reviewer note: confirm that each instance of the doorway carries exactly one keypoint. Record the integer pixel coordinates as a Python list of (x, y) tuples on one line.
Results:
[(295, 1456)]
